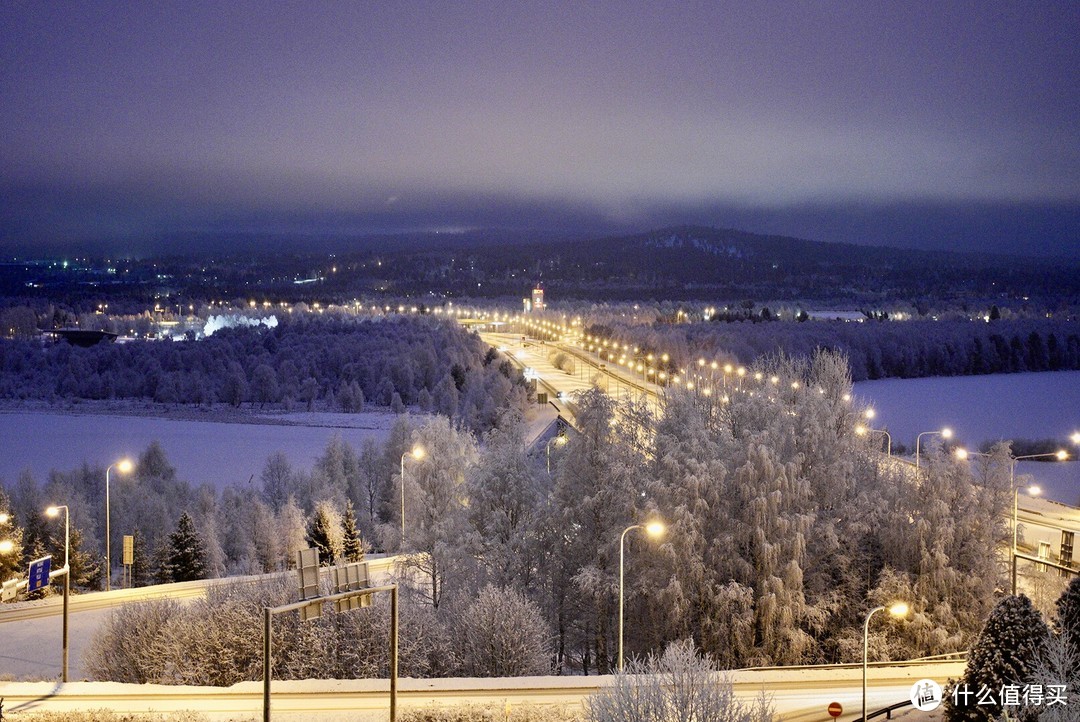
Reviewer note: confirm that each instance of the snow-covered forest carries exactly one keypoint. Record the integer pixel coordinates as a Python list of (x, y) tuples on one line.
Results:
[(784, 526), (875, 349), (339, 363)]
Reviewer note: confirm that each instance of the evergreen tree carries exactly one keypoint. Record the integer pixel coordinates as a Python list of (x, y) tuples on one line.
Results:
[(86, 571), (186, 552), (1068, 611), (319, 535), (11, 532), (1005, 653), (353, 546), (141, 567)]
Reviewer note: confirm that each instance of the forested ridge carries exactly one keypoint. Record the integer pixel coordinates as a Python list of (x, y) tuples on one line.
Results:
[(337, 363), (875, 349)]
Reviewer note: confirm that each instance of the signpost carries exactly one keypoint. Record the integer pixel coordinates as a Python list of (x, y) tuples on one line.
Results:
[(835, 709), (347, 596), (39, 574), (129, 556)]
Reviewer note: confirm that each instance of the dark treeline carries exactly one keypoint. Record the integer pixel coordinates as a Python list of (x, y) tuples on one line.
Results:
[(901, 349), (307, 361)]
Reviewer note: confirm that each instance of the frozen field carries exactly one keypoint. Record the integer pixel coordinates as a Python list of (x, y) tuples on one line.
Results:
[(987, 408), (211, 452)]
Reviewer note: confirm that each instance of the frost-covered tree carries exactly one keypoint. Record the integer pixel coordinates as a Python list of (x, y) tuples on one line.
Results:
[(435, 506), (12, 532), (278, 479), (596, 496), (141, 564), (678, 686), (1005, 653), (505, 498), (186, 552), (324, 533), (292, 527), (502, 634), (352, 545), (1068, 611)]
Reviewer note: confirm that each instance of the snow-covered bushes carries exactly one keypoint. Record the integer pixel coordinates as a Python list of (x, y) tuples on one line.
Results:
[(679, 686), (502, 634), (218, 640)]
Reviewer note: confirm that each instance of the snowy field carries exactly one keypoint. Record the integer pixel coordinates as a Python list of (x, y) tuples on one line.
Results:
[(210, 452), (988, 408)]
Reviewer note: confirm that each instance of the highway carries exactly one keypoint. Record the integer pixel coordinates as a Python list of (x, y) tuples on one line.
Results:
[(798, 694)]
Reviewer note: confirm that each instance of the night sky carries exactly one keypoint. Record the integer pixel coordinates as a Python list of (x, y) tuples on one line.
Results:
[(934, 125)]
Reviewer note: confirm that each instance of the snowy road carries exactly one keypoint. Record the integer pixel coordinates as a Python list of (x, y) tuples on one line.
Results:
[(798, 693)]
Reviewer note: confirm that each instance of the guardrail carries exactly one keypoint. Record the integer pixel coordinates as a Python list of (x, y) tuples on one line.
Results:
[(887, 711)]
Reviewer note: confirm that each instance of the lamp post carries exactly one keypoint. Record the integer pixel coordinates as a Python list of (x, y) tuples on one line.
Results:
[(558, 441), (52, 512), (123, 466), (653, 529), (861, 430), (897, 609), (416, 453), (1032, 491), (945, 433)]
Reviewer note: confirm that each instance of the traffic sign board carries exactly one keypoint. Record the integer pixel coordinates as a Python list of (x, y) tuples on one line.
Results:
[(39, 573), (835, 709)]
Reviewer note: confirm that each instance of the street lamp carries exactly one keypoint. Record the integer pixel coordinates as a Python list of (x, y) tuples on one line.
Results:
[(897, 609), (52, 512), (416, 453), (123, 466), (861, 430), (6, 546), (654, 529), (945, 433), (559, 440), (1060, 455)]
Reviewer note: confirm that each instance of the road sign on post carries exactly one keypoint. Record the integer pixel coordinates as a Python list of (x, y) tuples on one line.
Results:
[(836, 709), (307, 567), (39, 574), (350, 578), (10, 590), (129, 549)]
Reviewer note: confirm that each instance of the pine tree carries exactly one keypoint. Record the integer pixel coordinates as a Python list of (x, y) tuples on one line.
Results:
[(186, 552), (319, 535), (11, 532), (1068, 611), (353, 546), (1005, 653), (86, 571), (140, 561)]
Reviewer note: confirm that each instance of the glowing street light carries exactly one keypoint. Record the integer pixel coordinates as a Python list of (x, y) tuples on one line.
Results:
[(861, 430), (945, 433), (559, 440), (897, 610), (654, 529), (417, 453), (123, 466)]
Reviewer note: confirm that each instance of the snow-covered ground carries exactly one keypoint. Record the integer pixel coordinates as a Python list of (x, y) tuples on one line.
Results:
[(218, 451), (988, 408)]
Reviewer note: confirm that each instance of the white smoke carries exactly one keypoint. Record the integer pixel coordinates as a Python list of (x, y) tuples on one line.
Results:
[(233, 321)]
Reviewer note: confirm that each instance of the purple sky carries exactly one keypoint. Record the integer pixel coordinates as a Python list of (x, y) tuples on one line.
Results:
[(842, 121)]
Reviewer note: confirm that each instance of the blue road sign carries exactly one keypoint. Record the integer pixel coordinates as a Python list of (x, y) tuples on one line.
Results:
[(39, 574)]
